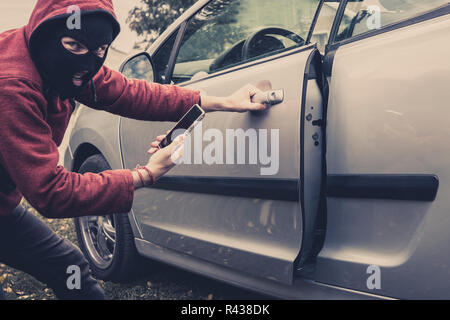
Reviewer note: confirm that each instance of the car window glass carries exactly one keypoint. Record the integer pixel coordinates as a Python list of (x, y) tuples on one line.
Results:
[(161, 58), (366, 15), (324, 23), (219, 35)]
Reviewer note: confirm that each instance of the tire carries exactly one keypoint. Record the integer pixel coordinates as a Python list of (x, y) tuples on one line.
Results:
[(108, 241)]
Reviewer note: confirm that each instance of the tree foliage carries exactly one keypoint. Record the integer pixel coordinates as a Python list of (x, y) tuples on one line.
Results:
[(151, 17)]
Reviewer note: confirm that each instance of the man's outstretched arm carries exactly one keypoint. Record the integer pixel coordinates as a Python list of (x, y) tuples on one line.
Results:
[(142, 100)]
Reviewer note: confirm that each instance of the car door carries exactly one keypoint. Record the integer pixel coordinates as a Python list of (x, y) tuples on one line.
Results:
[(387, 154), (250, 198)]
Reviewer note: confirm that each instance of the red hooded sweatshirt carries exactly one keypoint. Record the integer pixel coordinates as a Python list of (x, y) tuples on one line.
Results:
[(33, 125)]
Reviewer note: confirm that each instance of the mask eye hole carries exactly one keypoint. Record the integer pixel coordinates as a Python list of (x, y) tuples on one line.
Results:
[(101, 51), (74, 46)]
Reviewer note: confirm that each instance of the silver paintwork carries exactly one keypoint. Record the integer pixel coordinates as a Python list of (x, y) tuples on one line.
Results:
[(256, 236), (101, 130), (388, 110), (300, 289)]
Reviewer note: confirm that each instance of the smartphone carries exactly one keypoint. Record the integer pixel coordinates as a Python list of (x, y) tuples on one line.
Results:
[(185, 125)]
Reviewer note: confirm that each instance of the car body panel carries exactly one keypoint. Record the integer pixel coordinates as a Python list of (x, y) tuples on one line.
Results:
[(388, 98), (101, 130), (257, 236), (304, 289)]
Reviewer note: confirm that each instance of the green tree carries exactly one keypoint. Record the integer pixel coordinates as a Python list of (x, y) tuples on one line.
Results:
[(151, 17)]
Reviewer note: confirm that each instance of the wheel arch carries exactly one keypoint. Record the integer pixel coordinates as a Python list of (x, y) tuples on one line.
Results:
[(83, 152), (86, 141)]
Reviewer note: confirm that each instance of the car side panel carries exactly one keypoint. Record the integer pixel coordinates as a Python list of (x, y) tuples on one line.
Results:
[(101, 130), (388, 114), (258, 236)]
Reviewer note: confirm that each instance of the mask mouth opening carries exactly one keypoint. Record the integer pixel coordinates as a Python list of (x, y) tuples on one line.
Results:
[(80, 78)]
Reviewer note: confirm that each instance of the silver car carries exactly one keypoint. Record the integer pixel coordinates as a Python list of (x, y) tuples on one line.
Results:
[(351, 200)]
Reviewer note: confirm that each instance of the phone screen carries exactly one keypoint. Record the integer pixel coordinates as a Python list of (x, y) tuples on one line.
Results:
[(194, 114)]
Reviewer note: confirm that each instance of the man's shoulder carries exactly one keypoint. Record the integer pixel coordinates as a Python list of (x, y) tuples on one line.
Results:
[(19, 85), (20, 95), (15, 59)]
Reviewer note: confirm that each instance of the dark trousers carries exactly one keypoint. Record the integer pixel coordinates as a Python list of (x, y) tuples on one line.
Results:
[(29, 245)]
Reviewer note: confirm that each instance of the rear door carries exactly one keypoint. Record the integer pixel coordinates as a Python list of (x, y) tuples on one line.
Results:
[(388, 156), (249, 199)]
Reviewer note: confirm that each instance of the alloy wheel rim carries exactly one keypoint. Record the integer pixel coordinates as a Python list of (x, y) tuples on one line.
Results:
[(99, 236)]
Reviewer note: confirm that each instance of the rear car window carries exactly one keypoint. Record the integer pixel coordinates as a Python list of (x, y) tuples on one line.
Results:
[(367, 15)]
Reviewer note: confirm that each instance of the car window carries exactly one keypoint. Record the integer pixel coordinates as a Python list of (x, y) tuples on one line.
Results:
[(366, 15), (226, 33), (324, 24), (161, 58)]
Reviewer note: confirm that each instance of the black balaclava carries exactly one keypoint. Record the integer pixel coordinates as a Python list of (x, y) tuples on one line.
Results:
[(56, 65)]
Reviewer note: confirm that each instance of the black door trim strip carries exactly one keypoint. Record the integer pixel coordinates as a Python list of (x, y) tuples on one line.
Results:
[(391, 187), (367, 186), (258, 188)]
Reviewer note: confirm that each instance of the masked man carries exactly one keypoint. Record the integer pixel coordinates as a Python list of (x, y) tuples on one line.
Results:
[(44, 67)]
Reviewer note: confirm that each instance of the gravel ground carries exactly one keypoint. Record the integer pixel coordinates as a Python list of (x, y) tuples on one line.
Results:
[(163, 283)]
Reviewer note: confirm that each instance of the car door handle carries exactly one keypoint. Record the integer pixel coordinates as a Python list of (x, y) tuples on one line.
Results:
[(269, 97)]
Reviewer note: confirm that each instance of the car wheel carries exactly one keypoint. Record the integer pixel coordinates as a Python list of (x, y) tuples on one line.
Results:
[(107, 241)]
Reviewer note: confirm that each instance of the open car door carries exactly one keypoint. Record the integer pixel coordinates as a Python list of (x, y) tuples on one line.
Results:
[(257, 217)]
